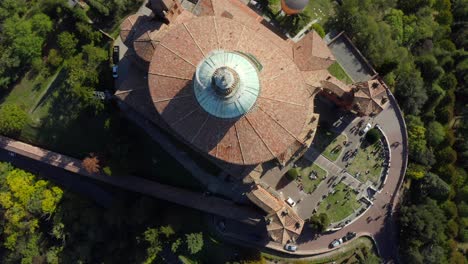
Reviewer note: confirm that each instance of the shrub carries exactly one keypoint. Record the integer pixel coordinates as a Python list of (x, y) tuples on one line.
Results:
[(319, 29), (12, 119), (107, 170), (373, 135)]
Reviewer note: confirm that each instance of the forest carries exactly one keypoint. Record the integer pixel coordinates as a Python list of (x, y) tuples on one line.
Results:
[(419, 48), (41, 223)]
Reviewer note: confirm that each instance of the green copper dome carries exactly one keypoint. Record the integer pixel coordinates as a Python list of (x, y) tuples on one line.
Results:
[(227, 84)]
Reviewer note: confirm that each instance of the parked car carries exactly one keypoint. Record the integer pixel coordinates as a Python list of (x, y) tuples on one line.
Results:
[(349, 236), (115, 70), (366, 128), (336, 243), (291, 202), (290, 247), (116, 54)]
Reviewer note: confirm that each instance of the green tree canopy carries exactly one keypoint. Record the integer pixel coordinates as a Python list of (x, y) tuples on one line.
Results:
[(423, 225), (319, 223), (24, 201), (194, 242), (67, 43), (373, 135), (434, 187), (435, 133), (12, 119), (151, 236), (41, 24)]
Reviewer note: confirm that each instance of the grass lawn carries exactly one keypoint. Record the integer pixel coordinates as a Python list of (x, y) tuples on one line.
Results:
[(329, 143), (336, 70), (320, 9), (340, 204), (306, 168), (361, 163), (187, 260), (29, 90)]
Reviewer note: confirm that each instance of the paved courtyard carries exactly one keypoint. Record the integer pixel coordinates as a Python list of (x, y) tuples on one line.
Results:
[(351, 62), (341, 123)]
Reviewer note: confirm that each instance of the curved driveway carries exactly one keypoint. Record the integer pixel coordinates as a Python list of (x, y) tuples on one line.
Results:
[(377, 221)]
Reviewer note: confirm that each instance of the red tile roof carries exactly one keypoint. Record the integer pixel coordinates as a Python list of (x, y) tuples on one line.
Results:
[(369, 97), (312, 53), (265, 132)]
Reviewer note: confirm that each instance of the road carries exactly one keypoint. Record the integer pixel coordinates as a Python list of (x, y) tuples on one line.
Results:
[(377, 222)]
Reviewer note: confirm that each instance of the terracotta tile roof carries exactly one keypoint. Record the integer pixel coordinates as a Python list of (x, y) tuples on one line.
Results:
[(148, 32), (314, 78), (130, 25), (312, 53), (204, 8), (237, 9), (284, 225), (263, 199), (369, 97), (279, 122), (267, 131), (335, 86), (242, 13)]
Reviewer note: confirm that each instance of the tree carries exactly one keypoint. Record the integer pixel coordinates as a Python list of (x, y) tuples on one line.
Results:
[(175, 245), (434, 187), (167, 231), (91, 164), (292, 174), (24, 201), (448, 81), (67, 43), (415, 171), (41, 24), (87, 32), (446, 156), (435, 133), (395, 19), (12, 119), (37, 64), (418, 150), (151, 236), (424, 227), (429, 67), (23, 42), (410, 91), (54, 58), (194, 242), (319, 223), (373, 135)]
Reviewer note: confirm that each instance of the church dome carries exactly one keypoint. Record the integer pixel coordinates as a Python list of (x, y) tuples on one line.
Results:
[(226, 84), (228, 91), (291, 7)]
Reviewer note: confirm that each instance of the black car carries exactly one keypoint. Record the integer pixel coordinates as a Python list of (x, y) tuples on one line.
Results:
[(116, 54), (349, 236)]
